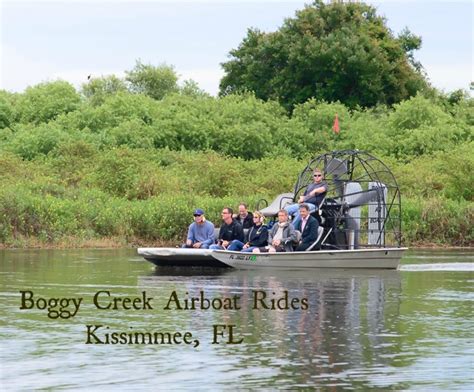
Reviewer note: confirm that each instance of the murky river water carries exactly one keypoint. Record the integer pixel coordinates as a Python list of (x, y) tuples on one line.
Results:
[(411, 329)]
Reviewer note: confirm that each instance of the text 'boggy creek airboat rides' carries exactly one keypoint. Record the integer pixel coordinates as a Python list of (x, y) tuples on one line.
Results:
[(359, 222)]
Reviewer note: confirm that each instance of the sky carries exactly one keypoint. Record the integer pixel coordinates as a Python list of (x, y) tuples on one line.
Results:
[(69, 40)]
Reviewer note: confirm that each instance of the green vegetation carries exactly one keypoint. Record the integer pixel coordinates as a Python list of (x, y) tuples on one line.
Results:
[(133, 168), (127, 160)]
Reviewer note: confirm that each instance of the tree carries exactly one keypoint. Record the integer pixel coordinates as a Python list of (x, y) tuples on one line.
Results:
[(97, 89), (191, 88), (336, 52), (6, 111), (46, 101), (156, 82)]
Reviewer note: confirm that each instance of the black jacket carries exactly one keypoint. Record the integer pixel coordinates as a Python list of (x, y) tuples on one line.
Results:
[(248, 221), (231, 232), (310, 233), (258, 236)]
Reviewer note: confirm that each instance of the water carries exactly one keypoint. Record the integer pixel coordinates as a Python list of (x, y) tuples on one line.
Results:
[(362, 330)]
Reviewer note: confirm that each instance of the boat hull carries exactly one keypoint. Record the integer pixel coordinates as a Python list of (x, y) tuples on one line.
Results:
[(387, 258), (180, 257)]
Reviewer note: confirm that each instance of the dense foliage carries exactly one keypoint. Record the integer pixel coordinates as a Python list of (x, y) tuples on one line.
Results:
[(335, 52), (107, 162)]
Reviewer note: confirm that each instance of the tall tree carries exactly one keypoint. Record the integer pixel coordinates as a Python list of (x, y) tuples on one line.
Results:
[(46, 101), (97, 89), (334, 52), (153, 81)]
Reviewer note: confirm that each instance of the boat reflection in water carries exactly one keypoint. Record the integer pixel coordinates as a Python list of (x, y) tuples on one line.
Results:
[(348, 327)]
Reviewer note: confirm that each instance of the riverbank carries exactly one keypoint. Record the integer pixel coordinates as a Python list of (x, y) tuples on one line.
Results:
[(77, 243), (118, 243)]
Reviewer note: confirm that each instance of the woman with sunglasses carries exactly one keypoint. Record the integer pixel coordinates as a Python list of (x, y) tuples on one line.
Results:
[(312, 196)]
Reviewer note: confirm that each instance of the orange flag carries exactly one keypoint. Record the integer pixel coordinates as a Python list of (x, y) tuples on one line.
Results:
[(335, 127)]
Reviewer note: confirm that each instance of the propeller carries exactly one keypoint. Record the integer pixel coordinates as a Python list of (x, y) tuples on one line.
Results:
[(336, 168)]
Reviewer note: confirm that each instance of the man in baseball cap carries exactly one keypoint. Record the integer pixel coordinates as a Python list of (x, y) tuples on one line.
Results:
[(200, 232)]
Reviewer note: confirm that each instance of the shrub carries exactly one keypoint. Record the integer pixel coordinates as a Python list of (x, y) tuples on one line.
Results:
[(439, 221), (417, 112), (118, 172), (31, 141), (156, 82), (46, 101), (6, 109), (96, 90), (447, 173), (132, 133)]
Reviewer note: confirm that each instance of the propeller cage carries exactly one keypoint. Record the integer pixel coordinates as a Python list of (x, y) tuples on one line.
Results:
[(362, 208)]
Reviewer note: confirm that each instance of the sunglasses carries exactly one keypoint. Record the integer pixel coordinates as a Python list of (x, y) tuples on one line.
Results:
[(317, 175), (197, 215)]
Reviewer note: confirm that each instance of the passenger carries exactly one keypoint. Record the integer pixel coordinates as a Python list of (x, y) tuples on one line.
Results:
[(230, 230), (281, 237), (200, 232), (257, 236), (245, 217), (313, 196), (308, 227)]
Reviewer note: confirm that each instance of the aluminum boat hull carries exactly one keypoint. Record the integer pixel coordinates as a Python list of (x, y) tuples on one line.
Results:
[(180, 257), (386, 258)]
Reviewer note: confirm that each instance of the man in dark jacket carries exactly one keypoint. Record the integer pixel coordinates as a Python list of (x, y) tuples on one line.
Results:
[(308, 227), (230, 230), (244, 217)]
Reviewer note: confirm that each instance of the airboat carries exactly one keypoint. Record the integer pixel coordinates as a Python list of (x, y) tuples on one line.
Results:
[(359, 222)]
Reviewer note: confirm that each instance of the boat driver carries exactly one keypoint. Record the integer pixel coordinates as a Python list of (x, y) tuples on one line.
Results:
[(312, 197)]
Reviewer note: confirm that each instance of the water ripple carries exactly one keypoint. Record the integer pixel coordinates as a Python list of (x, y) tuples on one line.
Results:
[(469, 267)]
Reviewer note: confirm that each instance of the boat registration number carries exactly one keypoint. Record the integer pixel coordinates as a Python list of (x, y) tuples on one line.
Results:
[(243, 257)]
